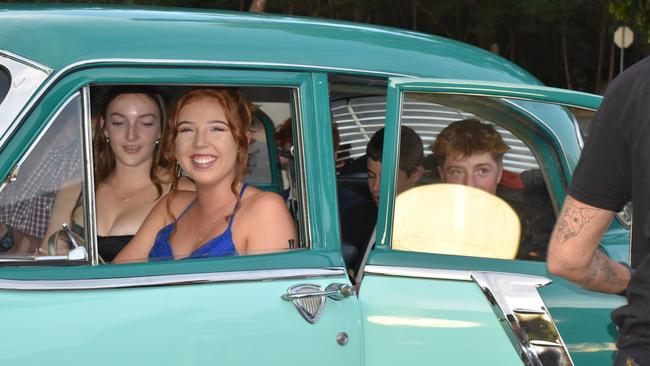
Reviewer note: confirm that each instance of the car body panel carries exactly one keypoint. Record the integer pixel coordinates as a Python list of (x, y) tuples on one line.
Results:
[(563, 299), (116, 33), (414, 321), (196, 326)]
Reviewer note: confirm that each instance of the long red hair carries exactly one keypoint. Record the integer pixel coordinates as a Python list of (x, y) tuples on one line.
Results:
[(238, 112)]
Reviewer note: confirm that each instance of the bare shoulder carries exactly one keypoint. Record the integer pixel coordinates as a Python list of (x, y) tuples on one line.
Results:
[(255, 199), (177, 201)]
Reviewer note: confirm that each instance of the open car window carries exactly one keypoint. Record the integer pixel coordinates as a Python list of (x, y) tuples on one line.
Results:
[(266, 168), (487, 144), (50, 171)]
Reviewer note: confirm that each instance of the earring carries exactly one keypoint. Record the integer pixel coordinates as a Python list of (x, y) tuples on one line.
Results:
[(157, 141), (108, 141), (179, 171)]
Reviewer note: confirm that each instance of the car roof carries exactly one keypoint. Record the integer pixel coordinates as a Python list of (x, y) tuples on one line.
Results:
[(58, 36)]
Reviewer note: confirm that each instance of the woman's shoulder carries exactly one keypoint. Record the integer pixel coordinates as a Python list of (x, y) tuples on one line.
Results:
[(256, 199)]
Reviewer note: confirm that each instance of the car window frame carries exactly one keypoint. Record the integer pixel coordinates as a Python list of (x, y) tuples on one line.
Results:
[(396, 89), (311, 106)]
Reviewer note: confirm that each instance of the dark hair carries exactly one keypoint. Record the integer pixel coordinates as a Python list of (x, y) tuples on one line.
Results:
[(104, 158), (468, 137), (411, 149)]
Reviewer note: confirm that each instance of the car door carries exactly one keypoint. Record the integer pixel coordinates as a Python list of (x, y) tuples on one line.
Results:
[(283, 308), (467, 309)]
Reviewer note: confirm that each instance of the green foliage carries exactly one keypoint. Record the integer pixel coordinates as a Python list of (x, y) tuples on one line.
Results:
[(636, 11)]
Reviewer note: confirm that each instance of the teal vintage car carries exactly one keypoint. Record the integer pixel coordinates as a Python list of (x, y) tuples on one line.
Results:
[(298, 306)]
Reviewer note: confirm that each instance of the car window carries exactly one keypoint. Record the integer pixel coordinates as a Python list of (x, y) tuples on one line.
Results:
[(51, 171), (5, 82), (271, 164), (479, 143)]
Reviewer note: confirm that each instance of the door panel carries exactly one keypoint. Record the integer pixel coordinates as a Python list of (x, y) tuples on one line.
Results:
[(235, 323), (415, 321), (581, 316)]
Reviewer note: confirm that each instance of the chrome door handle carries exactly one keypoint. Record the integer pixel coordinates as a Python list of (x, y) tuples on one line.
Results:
[(335, 291)]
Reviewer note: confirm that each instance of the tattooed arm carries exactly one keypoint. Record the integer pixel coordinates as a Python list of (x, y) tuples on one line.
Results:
[(573, 251)]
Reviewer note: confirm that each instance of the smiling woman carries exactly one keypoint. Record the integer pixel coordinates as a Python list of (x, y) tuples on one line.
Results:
[(224, 217)]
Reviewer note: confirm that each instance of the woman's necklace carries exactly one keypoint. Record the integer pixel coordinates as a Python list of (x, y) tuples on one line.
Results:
[(213, 224), (127, 198)]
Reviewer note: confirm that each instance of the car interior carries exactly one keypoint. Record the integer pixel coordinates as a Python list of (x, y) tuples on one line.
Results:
[(358, 107)]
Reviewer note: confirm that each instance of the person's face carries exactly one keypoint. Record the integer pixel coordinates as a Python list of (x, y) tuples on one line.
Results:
[(133, 126), (479, 171), (205, 146), (404, 181)]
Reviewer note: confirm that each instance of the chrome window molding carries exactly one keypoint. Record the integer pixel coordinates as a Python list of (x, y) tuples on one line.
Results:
[(180, 62), (170, 280), (414, 272), (26, 77), (88, 180), (300, 174)]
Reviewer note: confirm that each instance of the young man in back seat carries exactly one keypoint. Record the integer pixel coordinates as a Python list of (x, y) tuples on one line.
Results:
[(358, 222), (471, 153)]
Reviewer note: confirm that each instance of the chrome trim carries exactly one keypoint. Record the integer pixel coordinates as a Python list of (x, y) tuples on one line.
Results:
[(170, 280), (438, 274), (26, 61), (517, 303), (13, 178), (335, 291), (302, 184), (43, 259), (26, 77), (181, 62), (309, 307), (89, 179), (513, 297)]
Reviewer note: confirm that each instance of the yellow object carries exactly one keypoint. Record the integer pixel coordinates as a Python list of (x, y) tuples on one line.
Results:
[(455, 219)]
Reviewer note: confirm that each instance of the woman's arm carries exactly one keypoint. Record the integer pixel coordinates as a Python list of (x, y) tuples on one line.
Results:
[(62, 208)]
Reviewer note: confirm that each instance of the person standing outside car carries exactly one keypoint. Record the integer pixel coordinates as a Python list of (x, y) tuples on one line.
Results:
[(614, 168)]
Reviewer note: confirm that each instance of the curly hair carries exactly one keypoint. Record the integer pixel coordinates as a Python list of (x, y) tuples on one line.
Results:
[(238, 112)]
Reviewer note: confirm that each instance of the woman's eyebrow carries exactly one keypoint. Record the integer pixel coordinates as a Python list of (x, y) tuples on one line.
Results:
[(216, 121), (116, 114), (184, 123), (147, 115)]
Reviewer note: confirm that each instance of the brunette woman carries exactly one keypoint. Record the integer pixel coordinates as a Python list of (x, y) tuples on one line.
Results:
[(131, 171)]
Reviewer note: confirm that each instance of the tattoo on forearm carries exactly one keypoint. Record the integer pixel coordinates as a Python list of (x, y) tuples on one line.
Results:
[(603, 266), (572, 220)]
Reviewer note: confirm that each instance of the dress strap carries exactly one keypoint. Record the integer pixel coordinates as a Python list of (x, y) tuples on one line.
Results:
[(241, 194), (243, 188), (187, 208)]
